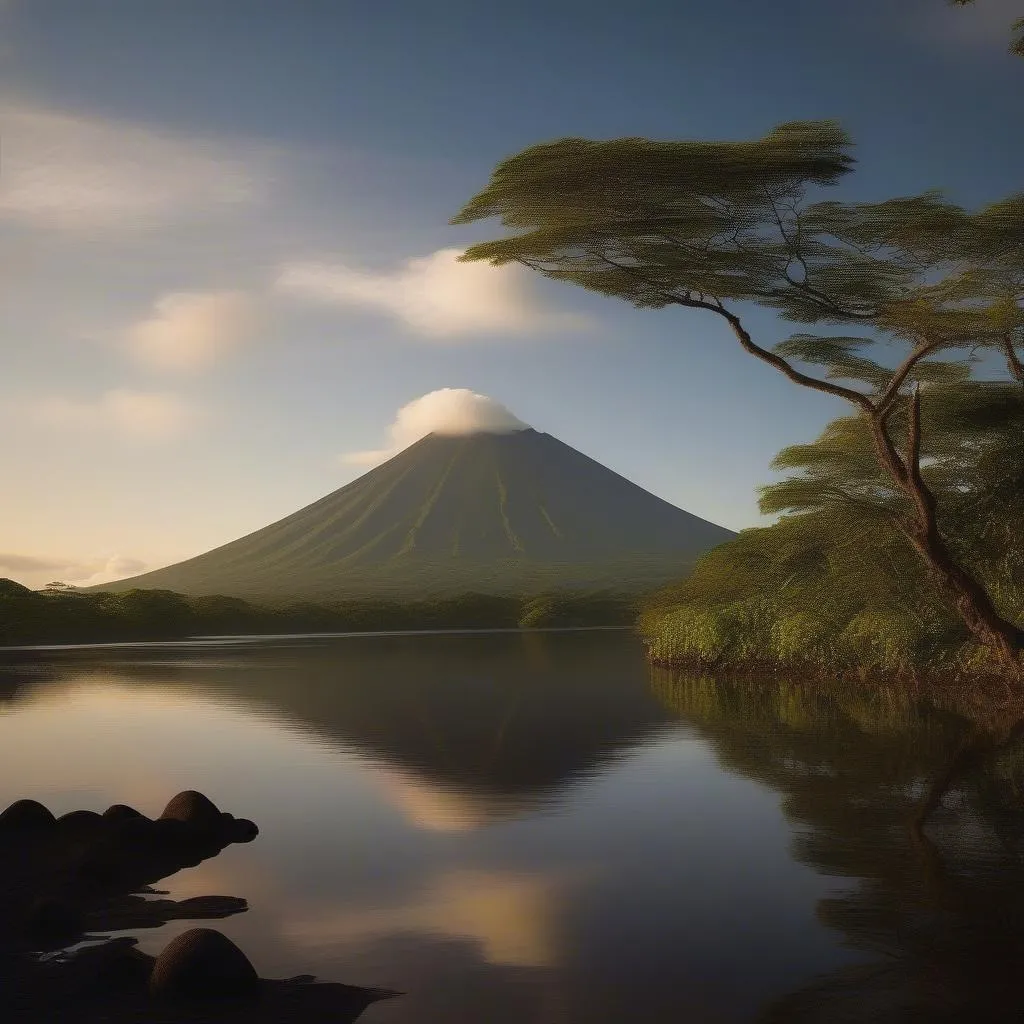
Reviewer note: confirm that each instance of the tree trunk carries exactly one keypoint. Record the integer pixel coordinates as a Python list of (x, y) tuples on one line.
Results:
[(967, 595), (970, 599), (1013, 363)]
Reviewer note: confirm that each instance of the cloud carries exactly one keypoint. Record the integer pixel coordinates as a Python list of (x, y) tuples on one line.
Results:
[(446, 411), (73, 172), (82, 572), (512, 917), (436, 296), (435, 808), (191, 330), (132, 415)]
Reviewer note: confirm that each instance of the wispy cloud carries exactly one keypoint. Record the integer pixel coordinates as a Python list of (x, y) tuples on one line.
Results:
[(68, 171), (82, 572), (436, 296), (129, 415), (191, 330), (446, 411)]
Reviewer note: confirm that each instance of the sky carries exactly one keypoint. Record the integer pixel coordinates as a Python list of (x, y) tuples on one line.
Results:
[(226, 264)]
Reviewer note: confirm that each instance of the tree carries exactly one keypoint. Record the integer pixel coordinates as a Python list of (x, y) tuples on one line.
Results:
[(973, 463), (58, 587), (1017, 46), (713, 225)]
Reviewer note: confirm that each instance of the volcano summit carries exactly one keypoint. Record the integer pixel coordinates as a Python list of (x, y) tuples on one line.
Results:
[(514, 511)]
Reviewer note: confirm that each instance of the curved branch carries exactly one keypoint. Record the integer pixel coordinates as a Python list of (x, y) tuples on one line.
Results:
[(901, 374)]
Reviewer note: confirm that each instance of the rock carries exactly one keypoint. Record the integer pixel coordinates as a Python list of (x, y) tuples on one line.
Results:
[(132, 832), (81, 824), (26, 816), (242, 830), (51, 920), (194, 808), (121, 812), (169, 835), (203, 964)]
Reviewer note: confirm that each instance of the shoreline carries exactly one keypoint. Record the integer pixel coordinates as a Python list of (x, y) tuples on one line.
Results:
[(221, 640)]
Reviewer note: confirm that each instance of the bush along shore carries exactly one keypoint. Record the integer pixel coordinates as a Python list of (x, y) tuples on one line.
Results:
[(793, 599), (61, 615)]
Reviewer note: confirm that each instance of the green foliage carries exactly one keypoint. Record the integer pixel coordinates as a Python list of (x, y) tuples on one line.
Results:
[(540, 611), (798, 637), (835, 579), (29, 617), (876, 639), (704, 224)]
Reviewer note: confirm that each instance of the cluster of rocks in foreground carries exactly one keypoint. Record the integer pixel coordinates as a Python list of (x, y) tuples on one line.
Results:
[(64, 879)]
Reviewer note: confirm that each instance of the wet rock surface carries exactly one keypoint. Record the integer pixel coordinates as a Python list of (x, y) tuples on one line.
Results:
[(70, 879)]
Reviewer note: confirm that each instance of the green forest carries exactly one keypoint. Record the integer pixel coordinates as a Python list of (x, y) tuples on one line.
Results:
[(64, 615)]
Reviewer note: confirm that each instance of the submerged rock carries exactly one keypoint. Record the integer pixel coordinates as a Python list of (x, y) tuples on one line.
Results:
[(67, 879), (203, 964)]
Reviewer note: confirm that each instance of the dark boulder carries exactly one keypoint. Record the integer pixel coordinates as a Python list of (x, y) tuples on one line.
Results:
[(81, 823), (193, 808), (26, 816), (50, 921), (240, 830), (203, 964), (121, 812)]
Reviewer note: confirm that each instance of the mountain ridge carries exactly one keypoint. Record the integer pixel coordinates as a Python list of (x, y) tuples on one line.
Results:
[(491, 512)]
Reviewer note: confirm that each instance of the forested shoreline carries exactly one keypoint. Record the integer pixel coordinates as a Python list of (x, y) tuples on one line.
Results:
[(834, 587), (61, 616)]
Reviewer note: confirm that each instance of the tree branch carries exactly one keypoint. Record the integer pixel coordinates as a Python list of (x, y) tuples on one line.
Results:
[(848, 394), (914, 441), (715, 306), (901, 374)]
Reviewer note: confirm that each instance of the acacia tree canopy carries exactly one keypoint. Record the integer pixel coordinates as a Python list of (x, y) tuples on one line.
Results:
[(713, 225)]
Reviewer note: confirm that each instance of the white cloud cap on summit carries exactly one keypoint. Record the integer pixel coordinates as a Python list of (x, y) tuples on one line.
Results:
[(436, 295), (452, 411)]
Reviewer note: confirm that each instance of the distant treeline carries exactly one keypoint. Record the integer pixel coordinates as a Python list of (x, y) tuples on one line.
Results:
[(70, 616)]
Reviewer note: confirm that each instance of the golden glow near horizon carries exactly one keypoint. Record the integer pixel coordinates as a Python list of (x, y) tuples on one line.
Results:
[(437, 808), (512, 917)]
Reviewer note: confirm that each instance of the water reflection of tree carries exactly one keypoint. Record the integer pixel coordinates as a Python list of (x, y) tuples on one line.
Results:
[(938, 910)]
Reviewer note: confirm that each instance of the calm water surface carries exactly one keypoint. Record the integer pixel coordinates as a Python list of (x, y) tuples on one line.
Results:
[(526, 827)]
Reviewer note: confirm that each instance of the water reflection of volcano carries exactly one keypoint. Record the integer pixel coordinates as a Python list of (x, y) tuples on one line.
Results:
[(469, 728)]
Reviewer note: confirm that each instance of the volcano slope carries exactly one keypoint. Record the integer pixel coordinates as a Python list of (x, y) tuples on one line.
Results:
[(518, 512)]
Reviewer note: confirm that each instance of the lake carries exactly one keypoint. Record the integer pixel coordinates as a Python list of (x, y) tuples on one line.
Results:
[(538, 827)]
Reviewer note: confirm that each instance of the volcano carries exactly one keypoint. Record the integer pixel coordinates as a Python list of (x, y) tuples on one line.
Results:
[(517, 512)]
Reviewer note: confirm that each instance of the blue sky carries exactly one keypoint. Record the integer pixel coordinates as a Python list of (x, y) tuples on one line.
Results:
[(208, 212)]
